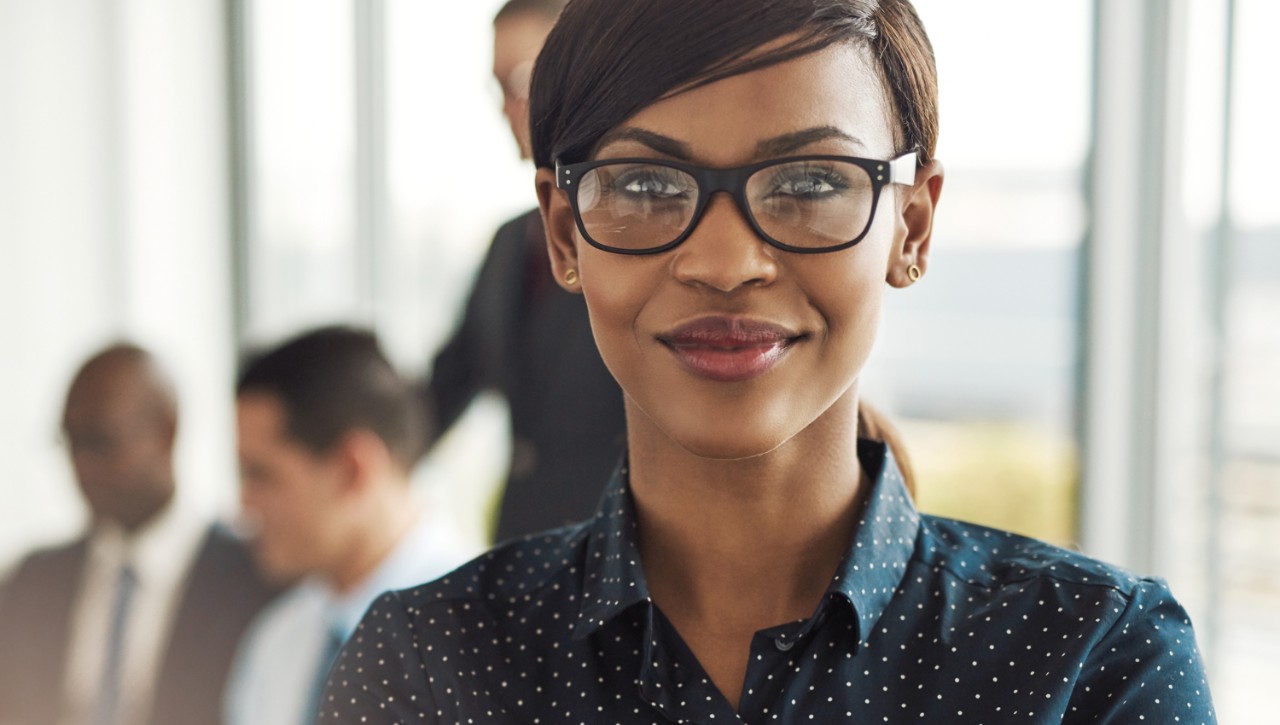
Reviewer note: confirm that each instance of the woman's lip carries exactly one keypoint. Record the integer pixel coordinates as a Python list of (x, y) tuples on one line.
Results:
[(729, 349), (727, 332)]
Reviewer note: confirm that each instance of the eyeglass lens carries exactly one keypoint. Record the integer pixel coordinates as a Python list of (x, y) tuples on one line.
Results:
[(810, 204)]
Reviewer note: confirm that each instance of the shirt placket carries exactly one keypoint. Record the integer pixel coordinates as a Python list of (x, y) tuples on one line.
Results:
[(672, 681), (774, 667)]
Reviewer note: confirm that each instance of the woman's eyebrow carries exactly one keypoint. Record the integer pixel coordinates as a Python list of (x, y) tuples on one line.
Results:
[(792, 142), (771, 147), (664, 145)]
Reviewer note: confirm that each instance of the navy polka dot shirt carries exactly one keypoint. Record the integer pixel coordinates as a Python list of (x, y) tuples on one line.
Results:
[(927, 620)]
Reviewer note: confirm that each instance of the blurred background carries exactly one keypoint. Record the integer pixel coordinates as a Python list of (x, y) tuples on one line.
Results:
[(1094, 357)]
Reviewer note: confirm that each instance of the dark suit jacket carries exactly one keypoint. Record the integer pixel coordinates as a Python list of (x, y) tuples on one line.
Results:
[(223, 593), (524, 337)]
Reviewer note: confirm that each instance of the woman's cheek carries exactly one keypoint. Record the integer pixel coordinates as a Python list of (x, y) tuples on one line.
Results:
[(849, 297), (615, 297)]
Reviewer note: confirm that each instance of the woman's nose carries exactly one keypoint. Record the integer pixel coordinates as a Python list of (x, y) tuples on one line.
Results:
[(724, 252)]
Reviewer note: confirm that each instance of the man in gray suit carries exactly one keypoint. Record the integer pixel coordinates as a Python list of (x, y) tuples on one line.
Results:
[(135, 622)]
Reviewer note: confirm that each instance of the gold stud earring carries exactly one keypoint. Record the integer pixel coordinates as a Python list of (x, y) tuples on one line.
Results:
[(571, 277), (914, 274)]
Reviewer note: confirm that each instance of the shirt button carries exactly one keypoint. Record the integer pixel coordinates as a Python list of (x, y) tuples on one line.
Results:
[(782, 644)]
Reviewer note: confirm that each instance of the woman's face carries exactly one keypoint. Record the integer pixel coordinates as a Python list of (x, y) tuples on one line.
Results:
[(725, 345)]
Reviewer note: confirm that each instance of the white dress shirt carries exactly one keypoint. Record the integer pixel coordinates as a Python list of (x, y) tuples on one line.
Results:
[(161, 554), (273, 679)]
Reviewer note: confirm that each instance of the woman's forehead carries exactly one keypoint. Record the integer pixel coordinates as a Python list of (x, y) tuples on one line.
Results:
[(833, 97)]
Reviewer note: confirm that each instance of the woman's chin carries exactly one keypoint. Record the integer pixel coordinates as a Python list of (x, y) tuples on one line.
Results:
[(723, 435), (735, 445)]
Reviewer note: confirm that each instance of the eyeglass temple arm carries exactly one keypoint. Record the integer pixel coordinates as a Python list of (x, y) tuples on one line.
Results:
[(902, 170)]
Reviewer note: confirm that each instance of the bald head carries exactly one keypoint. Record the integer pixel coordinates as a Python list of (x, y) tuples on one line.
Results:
[(120, 422)]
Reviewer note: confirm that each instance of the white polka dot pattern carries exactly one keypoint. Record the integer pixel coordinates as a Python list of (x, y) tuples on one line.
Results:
[(927, 620)]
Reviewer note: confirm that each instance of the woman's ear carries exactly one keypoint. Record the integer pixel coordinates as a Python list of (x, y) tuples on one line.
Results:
[(557, 219), (910, 257)]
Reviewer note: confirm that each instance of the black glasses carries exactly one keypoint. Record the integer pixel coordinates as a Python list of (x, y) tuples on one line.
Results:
[(805, 204)]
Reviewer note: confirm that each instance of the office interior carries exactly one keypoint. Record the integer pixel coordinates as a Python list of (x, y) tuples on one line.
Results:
[(1092, 359)]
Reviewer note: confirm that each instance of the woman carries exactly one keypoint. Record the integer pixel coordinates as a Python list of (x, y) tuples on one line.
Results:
[(748, 561)]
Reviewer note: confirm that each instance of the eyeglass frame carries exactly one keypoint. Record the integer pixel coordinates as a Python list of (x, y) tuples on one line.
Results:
[(733, 181)]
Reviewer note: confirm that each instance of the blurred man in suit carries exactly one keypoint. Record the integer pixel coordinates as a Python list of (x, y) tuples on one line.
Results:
[(328, 434), (527, 339), (136, 622)]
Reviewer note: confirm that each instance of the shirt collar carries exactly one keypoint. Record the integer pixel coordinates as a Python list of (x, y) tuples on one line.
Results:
[(422, 551), (614, 580), (867, 577), (883, 544), (159, 549)]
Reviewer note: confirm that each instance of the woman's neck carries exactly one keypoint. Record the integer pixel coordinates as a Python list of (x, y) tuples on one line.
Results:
[(747, 543), (733, 547)]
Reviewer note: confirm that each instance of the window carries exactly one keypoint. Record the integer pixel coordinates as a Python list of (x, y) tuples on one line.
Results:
[(977, 361), (1244, 250)]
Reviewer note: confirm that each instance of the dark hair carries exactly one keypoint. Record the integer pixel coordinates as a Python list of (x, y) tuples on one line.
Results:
[(605, 60), (334, 380), (549, 8)]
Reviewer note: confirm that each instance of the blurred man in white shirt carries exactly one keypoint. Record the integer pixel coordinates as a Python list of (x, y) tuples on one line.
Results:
[(328, 435)]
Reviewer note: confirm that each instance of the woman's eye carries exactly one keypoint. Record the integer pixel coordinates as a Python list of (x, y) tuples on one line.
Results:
[(809, 185), (651, 185)]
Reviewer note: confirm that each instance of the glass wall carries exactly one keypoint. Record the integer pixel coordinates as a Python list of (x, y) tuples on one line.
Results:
[(977, 361), (305, 260), (1245, 566)]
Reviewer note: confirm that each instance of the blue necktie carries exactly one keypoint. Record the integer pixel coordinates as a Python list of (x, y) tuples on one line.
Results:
[(328, 655), (107, 710)]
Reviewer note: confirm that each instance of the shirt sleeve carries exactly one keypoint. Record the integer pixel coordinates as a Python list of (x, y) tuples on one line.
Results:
[(1146, 668), (464, 366), (380, 677), (454, 381)]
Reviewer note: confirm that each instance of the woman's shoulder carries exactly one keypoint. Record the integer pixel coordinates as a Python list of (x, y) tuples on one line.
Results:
[(993, 558), (994, 575), (1130, 644), (531, 568)]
